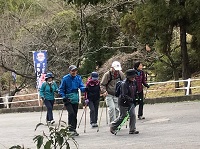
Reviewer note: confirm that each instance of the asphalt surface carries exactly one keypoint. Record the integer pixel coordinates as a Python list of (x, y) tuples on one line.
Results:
[(167, 126)]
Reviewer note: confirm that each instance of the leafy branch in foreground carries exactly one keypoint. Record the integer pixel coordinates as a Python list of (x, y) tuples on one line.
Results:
[(58, 137)]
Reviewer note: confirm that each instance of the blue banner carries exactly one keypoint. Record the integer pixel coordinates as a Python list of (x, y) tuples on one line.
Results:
[(40, 66)]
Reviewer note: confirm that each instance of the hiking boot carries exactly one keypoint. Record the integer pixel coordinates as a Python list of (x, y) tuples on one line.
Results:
[(133, 132), (95, 125), (76, 133), (112, 130), (141, 117), (48, 122), (52, 122)]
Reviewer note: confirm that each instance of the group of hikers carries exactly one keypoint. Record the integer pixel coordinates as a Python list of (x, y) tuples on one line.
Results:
[(130, 94)]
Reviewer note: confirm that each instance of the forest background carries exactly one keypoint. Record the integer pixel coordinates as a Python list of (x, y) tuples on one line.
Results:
[(163, 34)]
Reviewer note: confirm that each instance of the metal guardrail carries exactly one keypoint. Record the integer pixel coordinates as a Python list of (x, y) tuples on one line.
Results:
[(152, 83)]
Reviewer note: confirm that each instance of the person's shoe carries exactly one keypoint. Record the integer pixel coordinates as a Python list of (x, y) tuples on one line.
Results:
[(76, 133), (73, 133), (133, 132), (112, 130), (48, 122), (52, 122), (141, 117), (95, 125)]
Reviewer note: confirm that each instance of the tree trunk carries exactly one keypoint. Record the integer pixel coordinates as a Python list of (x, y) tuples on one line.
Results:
[(176, 77), (184, 53)]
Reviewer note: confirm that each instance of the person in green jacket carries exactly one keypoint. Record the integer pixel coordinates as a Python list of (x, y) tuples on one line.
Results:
[(47, 94)]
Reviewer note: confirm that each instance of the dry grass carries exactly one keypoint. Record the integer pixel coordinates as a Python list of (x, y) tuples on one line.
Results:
[(168, 90), (24, 98)]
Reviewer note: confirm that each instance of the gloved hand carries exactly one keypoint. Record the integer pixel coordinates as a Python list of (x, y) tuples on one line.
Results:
[(43, 98), (86, 101), (66, 100)]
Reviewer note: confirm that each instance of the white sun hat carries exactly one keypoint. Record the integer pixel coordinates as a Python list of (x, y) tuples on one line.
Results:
[(116, 65)]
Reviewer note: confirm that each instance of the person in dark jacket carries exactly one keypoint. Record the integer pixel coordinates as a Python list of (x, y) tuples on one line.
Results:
[(126, 102), (47, 94), (68, 90), (141, 80), (92, 96)]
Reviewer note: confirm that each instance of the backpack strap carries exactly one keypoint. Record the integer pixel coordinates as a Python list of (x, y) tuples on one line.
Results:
[(111, 78), (46, 86)]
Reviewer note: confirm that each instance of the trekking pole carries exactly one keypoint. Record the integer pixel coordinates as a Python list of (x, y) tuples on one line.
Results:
[(106, 115), (41, 111), (85, 118), (145, 93), (101, 116), (61, 116), (81, 117)]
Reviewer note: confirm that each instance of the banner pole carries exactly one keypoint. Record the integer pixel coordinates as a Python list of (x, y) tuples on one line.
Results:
[(39, 98)]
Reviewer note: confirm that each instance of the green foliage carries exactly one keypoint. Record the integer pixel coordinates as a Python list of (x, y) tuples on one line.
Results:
[(85, 2), (155, 22), (57, 137), (18, 6)]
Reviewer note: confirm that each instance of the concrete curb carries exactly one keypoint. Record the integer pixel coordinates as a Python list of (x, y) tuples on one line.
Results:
[(147, 101)]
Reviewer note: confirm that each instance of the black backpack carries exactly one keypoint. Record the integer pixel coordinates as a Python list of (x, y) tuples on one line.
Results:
[(118, 88)]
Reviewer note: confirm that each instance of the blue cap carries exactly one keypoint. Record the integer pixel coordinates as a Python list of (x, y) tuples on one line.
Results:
[(72, 67), (49, 75), (94, 76)]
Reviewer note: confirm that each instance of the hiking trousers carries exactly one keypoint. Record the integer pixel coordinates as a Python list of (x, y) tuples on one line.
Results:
[(49, 104), (113, 109), (140, 103), (94, 106), (123, 113), (72, 110)]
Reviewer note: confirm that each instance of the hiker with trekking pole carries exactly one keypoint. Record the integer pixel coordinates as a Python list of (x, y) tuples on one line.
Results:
[(108, 83), (47, 91), (141, 80), (92, 97), (126, 90), (68, 90)]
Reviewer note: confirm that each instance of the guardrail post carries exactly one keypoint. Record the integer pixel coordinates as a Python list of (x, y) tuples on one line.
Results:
[(188, 86), (7, 104)]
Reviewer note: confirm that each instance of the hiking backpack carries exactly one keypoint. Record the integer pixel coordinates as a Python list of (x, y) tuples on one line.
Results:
[(118, 88)]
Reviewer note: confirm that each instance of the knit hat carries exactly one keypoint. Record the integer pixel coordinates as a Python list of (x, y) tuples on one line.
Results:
[(130, 73)]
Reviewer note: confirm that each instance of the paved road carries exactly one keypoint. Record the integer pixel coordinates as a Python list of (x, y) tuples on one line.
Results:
[(167, 126)]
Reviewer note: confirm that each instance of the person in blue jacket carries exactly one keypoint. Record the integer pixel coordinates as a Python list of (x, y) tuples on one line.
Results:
[(68, 90), (47, 94)]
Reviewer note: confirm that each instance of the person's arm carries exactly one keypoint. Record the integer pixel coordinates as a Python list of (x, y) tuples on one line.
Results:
[(81, 85), (104, 82), (42, 90), (144, 80)]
